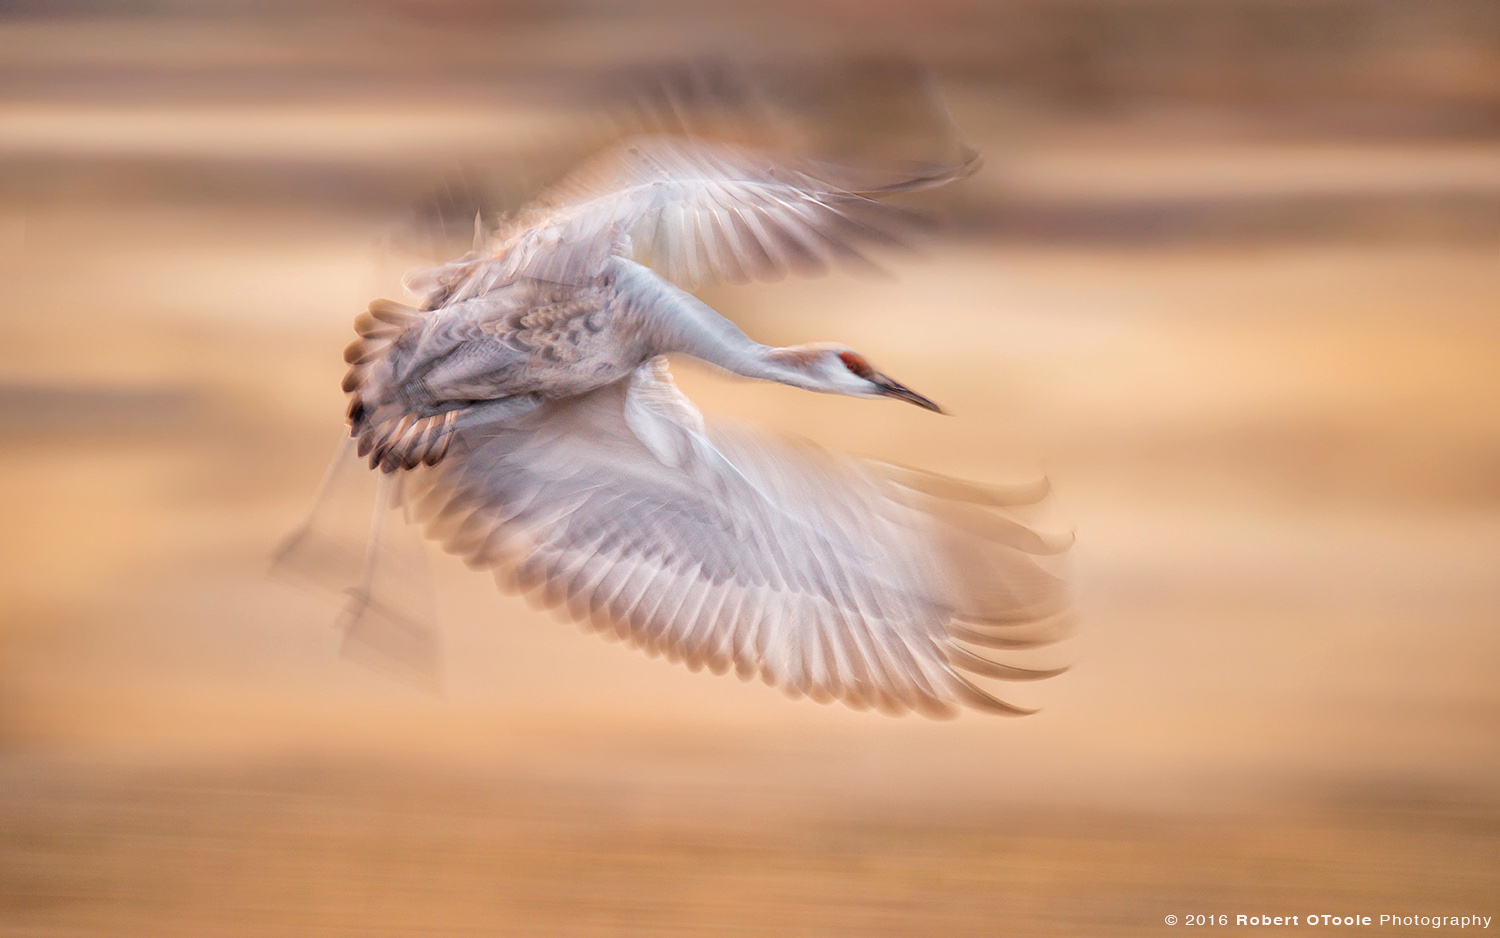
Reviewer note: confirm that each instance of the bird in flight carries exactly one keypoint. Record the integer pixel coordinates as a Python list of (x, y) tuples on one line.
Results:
[(528, 414)]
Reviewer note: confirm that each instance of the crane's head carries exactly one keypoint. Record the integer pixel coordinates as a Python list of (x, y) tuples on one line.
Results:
[(836, 369)]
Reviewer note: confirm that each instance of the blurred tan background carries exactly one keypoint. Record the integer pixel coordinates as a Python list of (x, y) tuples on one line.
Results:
[(1229, 277)]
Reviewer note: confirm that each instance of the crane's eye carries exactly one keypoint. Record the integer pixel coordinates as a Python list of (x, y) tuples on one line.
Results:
[(857, 365)]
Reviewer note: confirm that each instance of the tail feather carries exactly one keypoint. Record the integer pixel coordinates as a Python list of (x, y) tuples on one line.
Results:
[(394, 440), (390, 436)]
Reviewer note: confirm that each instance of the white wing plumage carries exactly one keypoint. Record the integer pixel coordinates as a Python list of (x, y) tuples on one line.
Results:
[(695, 211), (828, 577)]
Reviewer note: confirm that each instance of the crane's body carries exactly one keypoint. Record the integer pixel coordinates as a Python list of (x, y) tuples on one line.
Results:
[(522, 338), (529, 401)]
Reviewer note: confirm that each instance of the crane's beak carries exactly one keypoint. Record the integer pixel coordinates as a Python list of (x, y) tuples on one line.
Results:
[(901, 392)]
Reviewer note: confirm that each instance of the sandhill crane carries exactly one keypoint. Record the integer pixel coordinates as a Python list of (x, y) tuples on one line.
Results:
[(529, 412)]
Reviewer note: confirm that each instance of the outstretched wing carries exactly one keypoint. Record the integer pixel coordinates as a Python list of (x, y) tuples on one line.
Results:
[(696, 211), (828, 577)]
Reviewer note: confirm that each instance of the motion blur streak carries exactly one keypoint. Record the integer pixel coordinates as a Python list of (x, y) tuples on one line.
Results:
[(1228, 278)]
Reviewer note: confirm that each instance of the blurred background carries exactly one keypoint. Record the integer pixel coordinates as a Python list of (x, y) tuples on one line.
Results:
[(1229, 277)]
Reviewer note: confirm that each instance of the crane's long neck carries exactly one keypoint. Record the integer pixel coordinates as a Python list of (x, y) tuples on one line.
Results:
[(674, 320)]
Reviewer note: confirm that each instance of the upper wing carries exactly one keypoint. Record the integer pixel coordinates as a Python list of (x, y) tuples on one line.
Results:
[(696, 211), (828, 577)]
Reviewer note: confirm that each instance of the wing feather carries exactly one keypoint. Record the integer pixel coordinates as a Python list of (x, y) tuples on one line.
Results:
[(696, 210), (829, 578)]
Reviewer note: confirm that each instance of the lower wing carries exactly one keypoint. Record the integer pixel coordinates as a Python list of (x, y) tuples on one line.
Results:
[(829, 577)]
